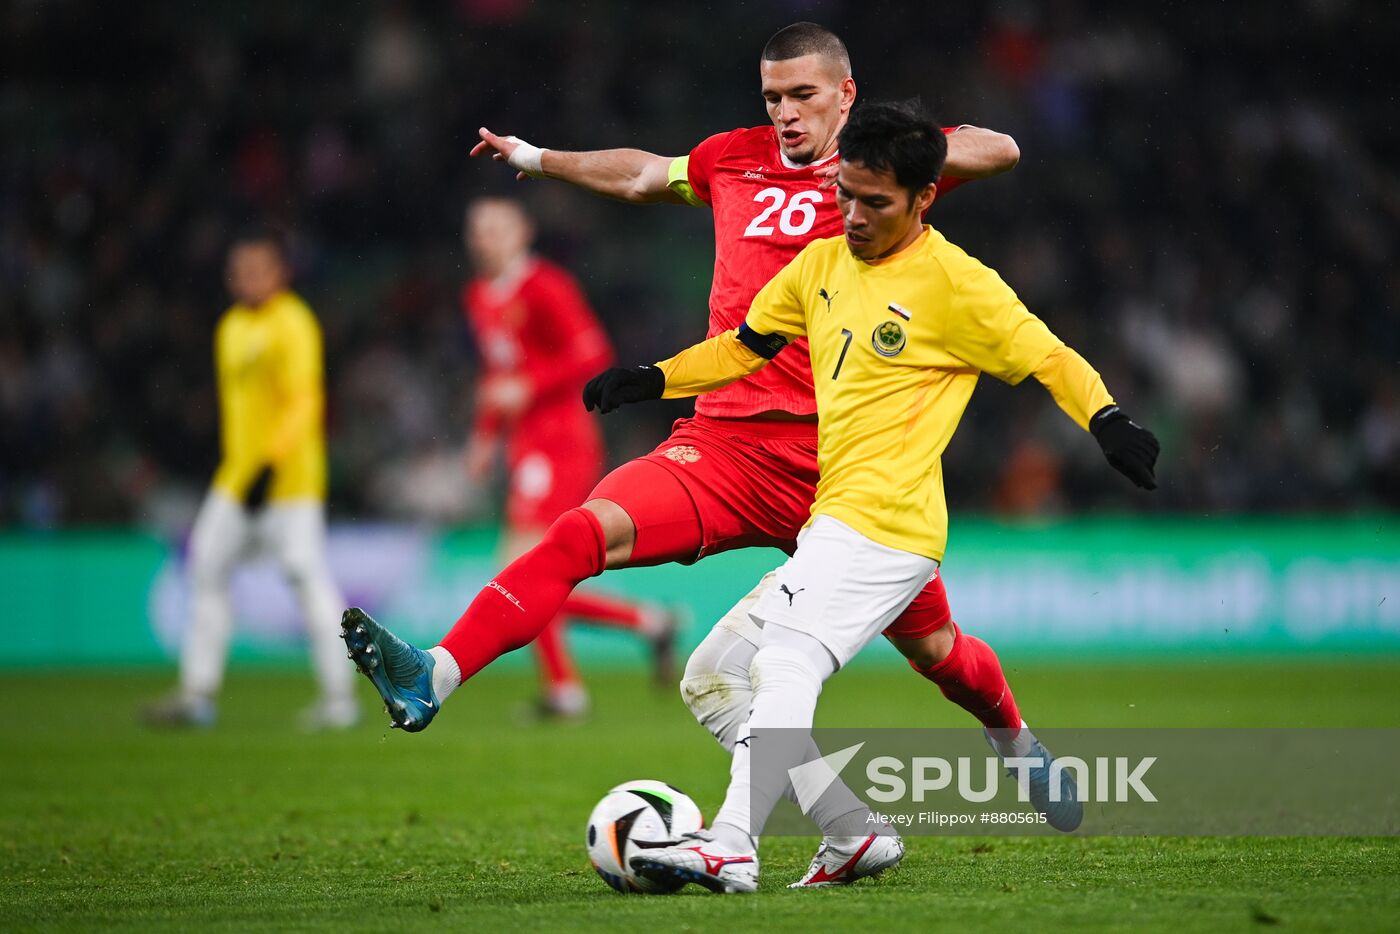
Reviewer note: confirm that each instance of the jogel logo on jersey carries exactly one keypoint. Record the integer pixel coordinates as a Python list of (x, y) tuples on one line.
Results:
[(888, 338)]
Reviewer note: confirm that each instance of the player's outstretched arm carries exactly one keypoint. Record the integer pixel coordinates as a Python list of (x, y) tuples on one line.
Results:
[(976, 152), (625, 174), (1079, 390), (704, 367)]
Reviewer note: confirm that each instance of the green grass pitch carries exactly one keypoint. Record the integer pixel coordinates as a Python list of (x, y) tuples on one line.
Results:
[(478, 823)]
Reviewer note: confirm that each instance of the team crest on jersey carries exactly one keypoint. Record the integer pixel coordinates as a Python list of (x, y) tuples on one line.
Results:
[(682, 454), (888, 338)]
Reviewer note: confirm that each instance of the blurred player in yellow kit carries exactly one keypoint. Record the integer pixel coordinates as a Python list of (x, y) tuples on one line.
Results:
[(268, 494)]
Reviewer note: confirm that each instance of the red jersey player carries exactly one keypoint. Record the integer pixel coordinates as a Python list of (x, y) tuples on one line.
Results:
[(743, 471), (539, 342)]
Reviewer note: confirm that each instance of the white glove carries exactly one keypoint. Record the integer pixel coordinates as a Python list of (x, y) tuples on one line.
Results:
[(526, 158)]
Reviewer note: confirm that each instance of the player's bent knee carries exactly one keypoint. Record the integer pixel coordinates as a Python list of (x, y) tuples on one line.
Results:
[(928, 651), (652, 515), (619, 532), (716, 652), (715, 687), (913, 650), (719, 702)]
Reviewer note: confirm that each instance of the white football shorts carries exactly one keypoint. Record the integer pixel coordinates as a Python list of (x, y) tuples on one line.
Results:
[(841, 588)]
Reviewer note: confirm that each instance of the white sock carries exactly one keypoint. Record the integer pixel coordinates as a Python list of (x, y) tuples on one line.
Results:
[(732, 839), (447, 674), (788, 671), (1020, 746), (716, 688), (735, 811)]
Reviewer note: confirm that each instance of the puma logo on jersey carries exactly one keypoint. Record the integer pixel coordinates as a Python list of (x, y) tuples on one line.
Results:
[(829, 298), (783, 588)]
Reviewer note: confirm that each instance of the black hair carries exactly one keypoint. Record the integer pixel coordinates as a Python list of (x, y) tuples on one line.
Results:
[(801, 39), (898, 137)]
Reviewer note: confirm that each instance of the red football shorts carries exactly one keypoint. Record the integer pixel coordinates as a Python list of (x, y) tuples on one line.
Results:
[(926, 614), (751, 483), (552, 471)]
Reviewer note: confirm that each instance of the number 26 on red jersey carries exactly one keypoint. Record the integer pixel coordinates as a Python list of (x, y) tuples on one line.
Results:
[(796, 215)]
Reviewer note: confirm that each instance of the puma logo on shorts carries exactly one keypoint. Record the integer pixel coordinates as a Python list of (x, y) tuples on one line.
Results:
[(783, 588)]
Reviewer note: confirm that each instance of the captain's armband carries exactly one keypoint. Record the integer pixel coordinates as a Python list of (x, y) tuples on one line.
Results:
[(678, 180), (765, 345)]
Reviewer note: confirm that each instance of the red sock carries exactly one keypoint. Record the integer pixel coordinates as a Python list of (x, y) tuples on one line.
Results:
[(553, 653), (971, 677), (515, 607), (612, 611)]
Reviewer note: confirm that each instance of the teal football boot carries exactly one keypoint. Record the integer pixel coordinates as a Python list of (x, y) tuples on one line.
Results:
[(402, 674)]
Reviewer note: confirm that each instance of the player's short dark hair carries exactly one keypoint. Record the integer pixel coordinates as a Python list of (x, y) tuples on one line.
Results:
[(261, 234), (898, 137), (801, 39)]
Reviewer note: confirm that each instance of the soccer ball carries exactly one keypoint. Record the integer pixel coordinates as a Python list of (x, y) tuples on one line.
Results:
[(629, 818)]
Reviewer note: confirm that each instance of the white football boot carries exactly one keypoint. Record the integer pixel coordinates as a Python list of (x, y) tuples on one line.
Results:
[(698, 857), (843, 860)]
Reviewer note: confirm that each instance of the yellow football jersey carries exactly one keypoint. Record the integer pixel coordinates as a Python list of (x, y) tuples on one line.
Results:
[(271, 398), (896, 346)]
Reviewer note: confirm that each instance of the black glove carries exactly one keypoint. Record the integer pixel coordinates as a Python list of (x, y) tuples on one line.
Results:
[(619, 386), (1130, 448), (255, 496)]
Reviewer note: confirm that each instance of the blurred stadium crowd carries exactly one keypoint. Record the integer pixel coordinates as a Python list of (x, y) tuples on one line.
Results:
[(1207, 205)]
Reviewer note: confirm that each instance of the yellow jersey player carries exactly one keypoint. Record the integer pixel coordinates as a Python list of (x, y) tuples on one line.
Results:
[(268, 494), (900, 324)]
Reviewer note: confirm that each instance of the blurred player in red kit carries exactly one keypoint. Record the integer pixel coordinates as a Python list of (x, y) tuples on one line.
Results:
[(539, 342)]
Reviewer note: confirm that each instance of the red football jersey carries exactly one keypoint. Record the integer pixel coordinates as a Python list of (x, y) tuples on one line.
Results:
[(536, 323), (766, 210)]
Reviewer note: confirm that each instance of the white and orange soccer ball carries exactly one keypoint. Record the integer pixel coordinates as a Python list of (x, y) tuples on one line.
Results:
[(631, 817)]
